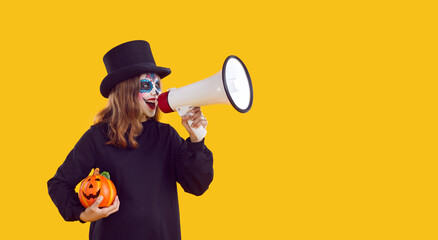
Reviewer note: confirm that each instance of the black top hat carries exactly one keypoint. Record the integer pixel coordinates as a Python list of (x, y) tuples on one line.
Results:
[(128, 60)]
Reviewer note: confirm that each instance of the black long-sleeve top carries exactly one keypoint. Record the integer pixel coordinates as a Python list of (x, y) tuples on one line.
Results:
[(145, 180)]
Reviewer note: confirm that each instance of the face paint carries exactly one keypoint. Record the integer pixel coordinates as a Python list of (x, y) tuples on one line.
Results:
[(147, 85), (149, 91)]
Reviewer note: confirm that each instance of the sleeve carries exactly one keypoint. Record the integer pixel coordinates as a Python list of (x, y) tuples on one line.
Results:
[(194, 165), (76, 167)]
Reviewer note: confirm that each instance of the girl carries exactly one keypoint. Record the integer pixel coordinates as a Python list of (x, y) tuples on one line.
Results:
[(144, 157)]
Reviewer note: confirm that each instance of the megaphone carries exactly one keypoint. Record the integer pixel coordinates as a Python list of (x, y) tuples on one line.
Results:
[(231, 85)]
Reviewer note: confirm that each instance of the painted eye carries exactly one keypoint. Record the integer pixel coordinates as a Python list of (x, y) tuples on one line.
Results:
[(146, 86), (157, 86)]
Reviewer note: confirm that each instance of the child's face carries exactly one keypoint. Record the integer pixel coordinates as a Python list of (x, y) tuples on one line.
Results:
[(149, 91)]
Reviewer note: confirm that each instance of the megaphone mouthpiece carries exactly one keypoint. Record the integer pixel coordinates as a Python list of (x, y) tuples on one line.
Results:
[(163, 103)]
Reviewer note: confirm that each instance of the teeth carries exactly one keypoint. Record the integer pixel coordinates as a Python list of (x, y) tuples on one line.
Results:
[(150, 101)]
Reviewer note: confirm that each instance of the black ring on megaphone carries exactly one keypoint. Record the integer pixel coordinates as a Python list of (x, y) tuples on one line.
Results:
[(226, 87)]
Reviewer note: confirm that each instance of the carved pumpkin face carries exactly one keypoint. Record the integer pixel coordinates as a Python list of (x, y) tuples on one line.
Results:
[(94, 186)]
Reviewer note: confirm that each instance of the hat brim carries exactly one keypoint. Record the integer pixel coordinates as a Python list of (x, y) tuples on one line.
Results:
[(122, 74)]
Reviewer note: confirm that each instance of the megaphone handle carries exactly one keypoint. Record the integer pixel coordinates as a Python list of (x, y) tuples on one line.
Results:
[(200, 132)]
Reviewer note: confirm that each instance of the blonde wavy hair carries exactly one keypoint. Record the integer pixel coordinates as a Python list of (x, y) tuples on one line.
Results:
[(123, 114)]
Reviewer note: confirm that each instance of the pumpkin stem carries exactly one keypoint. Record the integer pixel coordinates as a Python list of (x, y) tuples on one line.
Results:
[(96, 171)]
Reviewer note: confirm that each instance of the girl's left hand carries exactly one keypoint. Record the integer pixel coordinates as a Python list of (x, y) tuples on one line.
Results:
[(198, 119)]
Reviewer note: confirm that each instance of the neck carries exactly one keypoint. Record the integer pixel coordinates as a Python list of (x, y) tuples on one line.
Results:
[(144, 118)]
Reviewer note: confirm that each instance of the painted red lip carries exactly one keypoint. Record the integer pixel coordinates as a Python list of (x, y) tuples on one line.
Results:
[(150, 105)]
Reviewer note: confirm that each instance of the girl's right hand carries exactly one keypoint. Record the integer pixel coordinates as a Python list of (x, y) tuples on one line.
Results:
[(94, 213)]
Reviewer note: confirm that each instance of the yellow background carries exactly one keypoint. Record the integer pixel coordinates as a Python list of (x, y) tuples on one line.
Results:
[(340, 142)]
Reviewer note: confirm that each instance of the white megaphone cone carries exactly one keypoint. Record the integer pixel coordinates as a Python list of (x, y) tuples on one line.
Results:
[(232, 85)]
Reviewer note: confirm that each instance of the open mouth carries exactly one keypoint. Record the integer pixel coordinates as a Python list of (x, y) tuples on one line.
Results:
[(151, 102)]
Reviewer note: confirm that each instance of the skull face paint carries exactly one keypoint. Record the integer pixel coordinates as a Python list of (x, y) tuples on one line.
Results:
[(149, 91)]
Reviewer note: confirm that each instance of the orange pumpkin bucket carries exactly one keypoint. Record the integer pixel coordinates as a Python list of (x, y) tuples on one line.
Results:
[(97, 185)]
